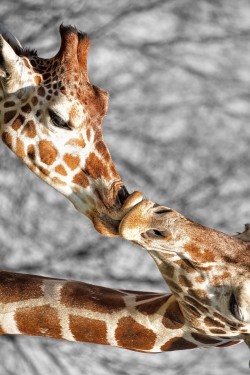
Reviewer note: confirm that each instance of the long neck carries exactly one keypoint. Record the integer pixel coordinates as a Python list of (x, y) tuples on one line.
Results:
[(76, 311)]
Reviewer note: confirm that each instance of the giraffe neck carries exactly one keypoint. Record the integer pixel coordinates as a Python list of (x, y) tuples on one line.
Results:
[(76, 311)]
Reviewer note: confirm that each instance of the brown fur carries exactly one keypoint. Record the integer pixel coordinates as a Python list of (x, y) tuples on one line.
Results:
[(48, 153), (35, 320), (88, 330), (72, 161), (99, 299), (29, 129), (81, 179), (173, 317), (19, 287), (132, 335), (177, 343)]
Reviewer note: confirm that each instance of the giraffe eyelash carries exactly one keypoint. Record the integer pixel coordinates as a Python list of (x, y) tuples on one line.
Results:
[(58, 121), (154, 233)]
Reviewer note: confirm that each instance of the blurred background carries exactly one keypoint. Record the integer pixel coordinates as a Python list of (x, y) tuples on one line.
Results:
[(178, 74)]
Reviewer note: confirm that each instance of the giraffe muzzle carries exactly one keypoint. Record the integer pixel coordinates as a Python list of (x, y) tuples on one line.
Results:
[(108, 224)]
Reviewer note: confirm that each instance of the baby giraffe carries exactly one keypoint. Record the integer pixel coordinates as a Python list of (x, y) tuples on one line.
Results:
[(207, 271)]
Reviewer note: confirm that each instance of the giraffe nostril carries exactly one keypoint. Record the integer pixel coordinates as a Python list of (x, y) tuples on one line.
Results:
[(122, 195)]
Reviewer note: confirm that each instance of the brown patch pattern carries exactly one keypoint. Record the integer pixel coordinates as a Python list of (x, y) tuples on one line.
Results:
[(31, 152), (81, 179), (7, 139), (95, 167), (26, 108), (200, 295), (17, 287), (76, 142), (199, 254), (177, 343), (94, 298), (167, 269), (196, 304), (103, 150), (61, 170), (9, 104), (8, 116), (217, 331), (43, 170), (219, 279), (71, 161), (34, 100), (184, 281), (38, 321), (48, 153), (88, 330), (173, 286), (151, 307), (37, 80), (41, 91), (2, 332), (29, 129), (205, 339), (20, 149), (186, 265), (173, 317), (57, 181), (18, 122), (132, 335), (213, 323)]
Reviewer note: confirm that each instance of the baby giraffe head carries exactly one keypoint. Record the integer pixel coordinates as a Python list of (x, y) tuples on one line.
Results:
[(51, 115), (208, 271)]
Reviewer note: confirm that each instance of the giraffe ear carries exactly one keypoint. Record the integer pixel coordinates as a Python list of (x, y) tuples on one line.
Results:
[(8, 59)]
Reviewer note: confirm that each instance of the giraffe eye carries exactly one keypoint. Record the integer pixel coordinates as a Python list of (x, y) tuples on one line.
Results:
[(58, 121), (234, 308), (156, 233), (164, 211)]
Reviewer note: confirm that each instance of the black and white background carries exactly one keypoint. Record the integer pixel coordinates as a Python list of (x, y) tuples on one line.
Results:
[(178, 74)]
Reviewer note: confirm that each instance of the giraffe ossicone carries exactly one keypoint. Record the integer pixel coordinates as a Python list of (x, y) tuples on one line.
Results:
[(50, 116)]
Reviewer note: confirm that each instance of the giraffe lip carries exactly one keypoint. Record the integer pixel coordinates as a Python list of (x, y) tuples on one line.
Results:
[(106, 225)]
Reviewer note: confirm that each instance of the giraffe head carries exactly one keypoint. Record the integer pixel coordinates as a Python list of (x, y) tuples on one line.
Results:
[(51, 115), (208, 271)]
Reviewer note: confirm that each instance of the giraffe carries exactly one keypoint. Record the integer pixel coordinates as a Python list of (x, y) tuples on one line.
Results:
[(207, 271), (75, 311), (50, 116)]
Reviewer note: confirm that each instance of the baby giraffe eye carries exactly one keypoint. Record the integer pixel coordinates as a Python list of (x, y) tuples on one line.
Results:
[(156, 233), (58, 121), (234, 308)]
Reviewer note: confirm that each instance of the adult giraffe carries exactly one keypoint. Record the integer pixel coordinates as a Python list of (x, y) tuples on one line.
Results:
[(50, 116)]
